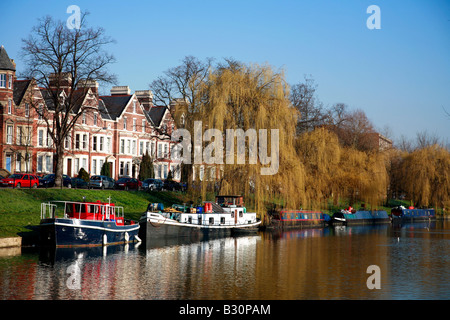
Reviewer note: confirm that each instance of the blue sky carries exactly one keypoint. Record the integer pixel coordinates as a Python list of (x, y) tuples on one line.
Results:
[(399, 75)]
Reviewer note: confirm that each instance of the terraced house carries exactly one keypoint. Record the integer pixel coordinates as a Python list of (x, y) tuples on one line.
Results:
[(118, 128)]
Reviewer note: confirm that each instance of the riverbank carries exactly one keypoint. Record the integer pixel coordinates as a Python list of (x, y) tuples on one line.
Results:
[(20, 208)]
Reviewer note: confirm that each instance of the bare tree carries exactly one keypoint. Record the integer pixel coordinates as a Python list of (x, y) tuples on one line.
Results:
[(303, 98), (62, 61)]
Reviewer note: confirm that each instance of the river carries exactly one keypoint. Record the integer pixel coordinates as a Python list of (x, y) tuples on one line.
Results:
[(379, 262)]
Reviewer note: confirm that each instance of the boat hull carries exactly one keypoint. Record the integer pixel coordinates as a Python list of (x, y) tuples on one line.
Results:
[(412, 215), (62, 232), (169, 229)]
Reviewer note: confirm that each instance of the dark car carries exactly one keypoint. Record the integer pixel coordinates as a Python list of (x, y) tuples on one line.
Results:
[(152, 184), (128, 183), (79, 183), (48, 181), (20, 180), (174, 186)]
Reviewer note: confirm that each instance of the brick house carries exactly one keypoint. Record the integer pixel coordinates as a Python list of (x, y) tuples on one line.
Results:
[(118, 129)]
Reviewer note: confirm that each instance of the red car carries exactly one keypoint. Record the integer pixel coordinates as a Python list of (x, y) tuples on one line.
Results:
[(18, 180), (128, 183)]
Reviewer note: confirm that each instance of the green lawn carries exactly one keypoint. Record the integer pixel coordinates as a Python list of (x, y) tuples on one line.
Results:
[(20, 208)]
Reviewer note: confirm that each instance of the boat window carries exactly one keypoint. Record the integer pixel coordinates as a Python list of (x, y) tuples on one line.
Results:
[(222, 220), (211, 220), (93, 208), (241, 214), (69, 208)]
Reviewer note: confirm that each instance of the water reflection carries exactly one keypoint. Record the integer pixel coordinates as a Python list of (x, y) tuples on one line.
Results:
[(322, 263)]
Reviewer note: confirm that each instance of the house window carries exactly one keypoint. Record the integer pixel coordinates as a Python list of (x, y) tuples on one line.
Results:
[(19, 162), (85, 138), (166, 151), (10, 82), (77, 165), (67, 142), (40, 111), (9, 106), (40, 163), (27, 110), (128, 146), (77, 141), (84, 164), (41, 138), (94, 143), (121, 168), (122, 146), (9, 134), (49, 140), (2, 80), (160, 150), (134, 124), (83, 119), (133, 150), (48, 163), (95, 119), (108, 144), (134, 106), (101, 143), (20, 139), (141, 148), (94, 166), (124, 123), (143, 125)]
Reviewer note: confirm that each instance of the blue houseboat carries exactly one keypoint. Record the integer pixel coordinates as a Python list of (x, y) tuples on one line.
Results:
[(412, 214), (360, 217), (74, 224)]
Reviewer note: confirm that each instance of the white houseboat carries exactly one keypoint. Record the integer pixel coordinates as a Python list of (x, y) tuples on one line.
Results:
[(222, 218)]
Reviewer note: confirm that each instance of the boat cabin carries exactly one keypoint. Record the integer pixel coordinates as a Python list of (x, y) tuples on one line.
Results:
[(98, 211), (227, 201)]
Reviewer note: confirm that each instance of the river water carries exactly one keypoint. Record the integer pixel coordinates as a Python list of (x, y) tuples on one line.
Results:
[(334, 263)]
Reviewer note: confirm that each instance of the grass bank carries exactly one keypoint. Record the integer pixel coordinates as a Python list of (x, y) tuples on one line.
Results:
[(20, 208)]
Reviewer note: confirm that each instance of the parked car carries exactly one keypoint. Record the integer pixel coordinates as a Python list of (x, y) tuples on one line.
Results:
[(48, 181), (79, 183), (174, 186), (128, 183), (102, 182), (19, 180), (152, 184)]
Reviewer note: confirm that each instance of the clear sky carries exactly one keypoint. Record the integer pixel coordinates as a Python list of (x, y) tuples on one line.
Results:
[(399, 74)]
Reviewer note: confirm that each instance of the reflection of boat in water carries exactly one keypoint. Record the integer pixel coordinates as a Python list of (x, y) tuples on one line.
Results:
[(72, 224), (401, 214), (223, 218), (360, 217)]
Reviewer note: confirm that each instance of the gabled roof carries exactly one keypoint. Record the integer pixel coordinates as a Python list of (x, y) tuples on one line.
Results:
[(103, 110), (20, 87), (156, 114), (5, 61), (116, 104)]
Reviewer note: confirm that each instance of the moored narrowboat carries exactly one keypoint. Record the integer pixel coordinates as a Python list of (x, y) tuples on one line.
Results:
[(282, 218), (360, 217), (74, 224), (412, 214)]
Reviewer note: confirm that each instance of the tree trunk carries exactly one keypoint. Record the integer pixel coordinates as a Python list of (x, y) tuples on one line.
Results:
[(59, 165)]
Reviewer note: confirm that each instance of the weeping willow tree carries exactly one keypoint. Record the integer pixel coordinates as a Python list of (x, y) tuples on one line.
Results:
[(425, 176), (253, 100), (336, 172), (320, 152)]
